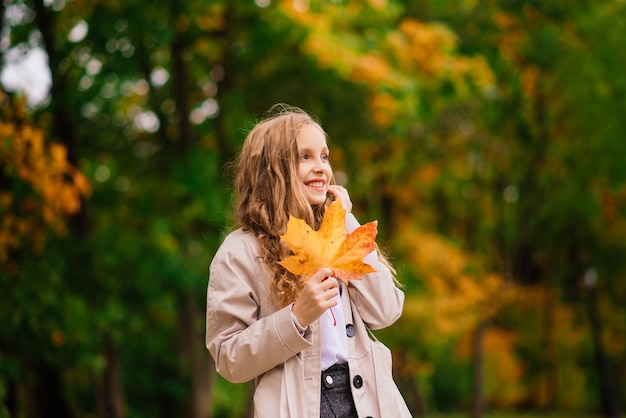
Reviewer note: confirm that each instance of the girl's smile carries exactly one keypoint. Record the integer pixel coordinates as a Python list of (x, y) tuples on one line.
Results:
[(314, 170), (319, 185)]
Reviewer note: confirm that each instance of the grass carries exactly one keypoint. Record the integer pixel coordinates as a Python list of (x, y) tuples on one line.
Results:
[(518, 415)]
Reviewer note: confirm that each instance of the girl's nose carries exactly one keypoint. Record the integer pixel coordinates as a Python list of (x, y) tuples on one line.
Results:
[(318, 167)]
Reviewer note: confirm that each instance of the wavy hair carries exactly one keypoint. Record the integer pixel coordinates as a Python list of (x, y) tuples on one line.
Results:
[(267, 191)]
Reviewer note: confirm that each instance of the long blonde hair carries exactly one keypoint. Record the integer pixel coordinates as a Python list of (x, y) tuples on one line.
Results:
[(267, 191)]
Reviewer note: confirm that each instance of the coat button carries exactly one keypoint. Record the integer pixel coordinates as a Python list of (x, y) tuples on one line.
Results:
[(350, 330), (357, 381), (329, 379)]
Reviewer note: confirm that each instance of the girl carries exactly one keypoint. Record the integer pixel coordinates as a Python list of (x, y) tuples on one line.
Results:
[(305, 342)]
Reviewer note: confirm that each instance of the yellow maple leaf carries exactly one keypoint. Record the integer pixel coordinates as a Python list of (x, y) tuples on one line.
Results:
[(330, 246)]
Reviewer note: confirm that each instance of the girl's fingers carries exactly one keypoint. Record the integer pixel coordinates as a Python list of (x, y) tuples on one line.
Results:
[(338, 192), (321, 275), (322, 286), (319, 294), (341, 193)]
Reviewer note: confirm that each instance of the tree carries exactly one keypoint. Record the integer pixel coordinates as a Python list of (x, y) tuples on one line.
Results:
[(471, 132)]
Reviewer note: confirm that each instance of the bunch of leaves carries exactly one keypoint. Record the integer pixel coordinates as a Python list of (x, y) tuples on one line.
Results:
[(40, 188)]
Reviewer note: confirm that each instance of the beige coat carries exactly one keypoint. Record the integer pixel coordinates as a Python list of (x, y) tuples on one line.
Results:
[(249, 339)]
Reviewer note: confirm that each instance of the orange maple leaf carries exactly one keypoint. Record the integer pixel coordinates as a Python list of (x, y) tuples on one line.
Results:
[(330, 246)]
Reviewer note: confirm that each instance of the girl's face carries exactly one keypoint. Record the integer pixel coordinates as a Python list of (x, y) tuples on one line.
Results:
[(314, 169)]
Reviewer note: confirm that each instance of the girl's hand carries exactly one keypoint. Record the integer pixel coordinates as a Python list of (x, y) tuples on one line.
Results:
[(317, 296), (340, 192)]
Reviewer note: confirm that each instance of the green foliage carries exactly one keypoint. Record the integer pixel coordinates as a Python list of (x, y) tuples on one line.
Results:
[(486, 137)]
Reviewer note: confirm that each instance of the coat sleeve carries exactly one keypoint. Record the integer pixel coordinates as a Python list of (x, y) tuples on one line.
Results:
[(243, 344), (376, 296)]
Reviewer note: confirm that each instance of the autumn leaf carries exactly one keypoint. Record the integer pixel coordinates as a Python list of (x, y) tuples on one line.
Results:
[(330, 246)]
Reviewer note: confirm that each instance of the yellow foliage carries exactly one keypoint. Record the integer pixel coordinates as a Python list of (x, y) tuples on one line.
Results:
[(211, 20), (205, 48), (504, 370), (345, 53), (459, 294), (427, 45), (530, 77), (414, 50), (612, 201), (512, 38), (428, 174), (430, 49), (378, 4), (383, 107), (371, 67), (57, 185), (436, 257)]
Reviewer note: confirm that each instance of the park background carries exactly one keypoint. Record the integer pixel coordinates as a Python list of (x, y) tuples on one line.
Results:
[(486, 137)]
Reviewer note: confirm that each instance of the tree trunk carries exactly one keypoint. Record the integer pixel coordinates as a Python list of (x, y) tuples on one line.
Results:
[(608, 396), (226, 85), (407, 383), (110, 402), (478, 350), (180, 81), (202, 381), (416, 405), (249, 412), (198, 363), (46, 397), (547, 351)]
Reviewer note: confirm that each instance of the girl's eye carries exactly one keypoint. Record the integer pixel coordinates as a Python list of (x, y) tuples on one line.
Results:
[(325, 157), (304, 156)]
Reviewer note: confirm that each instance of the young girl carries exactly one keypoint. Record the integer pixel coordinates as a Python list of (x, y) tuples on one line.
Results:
[(305, 342)]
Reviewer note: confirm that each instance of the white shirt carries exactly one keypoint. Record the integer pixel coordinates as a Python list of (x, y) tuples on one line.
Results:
[(334, 340)]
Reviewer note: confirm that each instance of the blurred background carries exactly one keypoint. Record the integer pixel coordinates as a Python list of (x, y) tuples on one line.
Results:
[(487, 137)]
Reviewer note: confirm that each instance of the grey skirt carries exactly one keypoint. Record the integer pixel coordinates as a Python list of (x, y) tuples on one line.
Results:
[(336, 397)]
